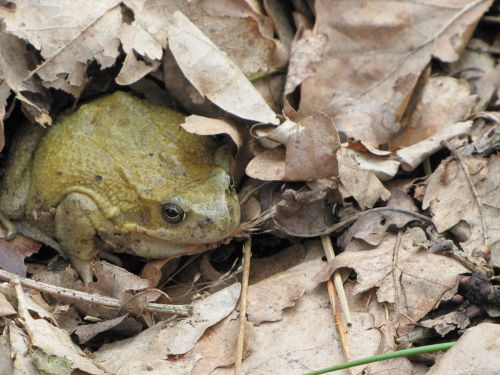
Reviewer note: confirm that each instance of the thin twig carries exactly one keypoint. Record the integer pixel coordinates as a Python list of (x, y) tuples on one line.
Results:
[(472, 187), (247, 255), (337, 280), (345, 223), (76, 295)]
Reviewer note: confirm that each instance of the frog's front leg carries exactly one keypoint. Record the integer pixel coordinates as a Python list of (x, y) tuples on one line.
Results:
[(75, 224)]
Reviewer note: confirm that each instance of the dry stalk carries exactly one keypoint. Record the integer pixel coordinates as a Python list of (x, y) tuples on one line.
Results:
[(247, 255), (96, 299)]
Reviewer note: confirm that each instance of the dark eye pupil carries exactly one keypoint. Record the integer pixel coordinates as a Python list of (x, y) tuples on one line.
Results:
[(172, 213)]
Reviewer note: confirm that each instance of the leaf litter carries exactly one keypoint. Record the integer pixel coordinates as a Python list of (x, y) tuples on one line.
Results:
[(350, 119)]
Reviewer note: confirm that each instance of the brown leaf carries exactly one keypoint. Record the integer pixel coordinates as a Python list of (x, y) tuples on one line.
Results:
[(311, 146), (311, 149), (225, 85), (372, 227), (363, 185), (446, 323), (13, 253), (452, 201), (268, 165), (374, 56), (268, 298), (86, 332), (68, 35), (306, 213), (475, 352), (479, 68), (406, 268), (168, 338), (209, 126), (114, 281), (6, 309)]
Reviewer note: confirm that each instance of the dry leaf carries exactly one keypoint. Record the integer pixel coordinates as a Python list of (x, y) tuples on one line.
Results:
[(213, 74), (479, 68), (446, 323), (209, 126), (476, 352), (13, 253), (452, 201), (363, 185), (15, 63), (50, 342), (268, 298), (68, 35), (19, 351), (405, 273), (6, 309), (268, 165), (115, 281), (372, 227), (443, 102), (376, 52), (168, 338), (311, 146), (382, 166), (311, 149), (412, 156), (137, 42), (306, 337)]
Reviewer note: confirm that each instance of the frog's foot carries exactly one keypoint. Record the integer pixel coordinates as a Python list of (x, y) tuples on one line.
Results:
[(9, 225), (75, 230)]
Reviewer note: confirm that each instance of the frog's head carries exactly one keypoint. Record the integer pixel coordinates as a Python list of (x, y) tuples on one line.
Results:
[(192, 216)]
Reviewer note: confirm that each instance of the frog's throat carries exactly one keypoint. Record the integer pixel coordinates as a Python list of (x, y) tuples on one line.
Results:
[(109, 211)]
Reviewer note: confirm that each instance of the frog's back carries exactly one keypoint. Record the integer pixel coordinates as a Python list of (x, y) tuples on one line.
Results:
[(119, 148)]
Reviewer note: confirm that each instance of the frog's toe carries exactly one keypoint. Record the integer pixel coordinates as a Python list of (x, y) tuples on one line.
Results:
[(84, 269)]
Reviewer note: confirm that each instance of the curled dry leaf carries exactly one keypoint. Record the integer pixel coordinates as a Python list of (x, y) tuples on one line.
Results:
[(13, 252), (412, 156), (447, 323), (114, 281), (311, 149), (311, 146), (451, 199), (209, 126), (384, 167), (363, 185), (374, 57), (6, 308), (51, 348), (225, 85)]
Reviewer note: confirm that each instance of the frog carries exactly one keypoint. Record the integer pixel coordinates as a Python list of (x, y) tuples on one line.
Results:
[(120, 175)]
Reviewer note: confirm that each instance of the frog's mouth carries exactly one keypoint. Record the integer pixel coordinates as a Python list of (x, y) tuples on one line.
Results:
[(152, 244)]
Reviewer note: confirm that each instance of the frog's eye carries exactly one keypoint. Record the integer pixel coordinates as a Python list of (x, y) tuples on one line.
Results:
[(172, 213)]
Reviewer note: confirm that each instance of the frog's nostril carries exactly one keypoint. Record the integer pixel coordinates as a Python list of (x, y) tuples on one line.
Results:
[(205, 221)]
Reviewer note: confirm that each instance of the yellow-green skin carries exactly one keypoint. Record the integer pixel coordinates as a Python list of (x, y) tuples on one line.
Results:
[(98, 178)]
